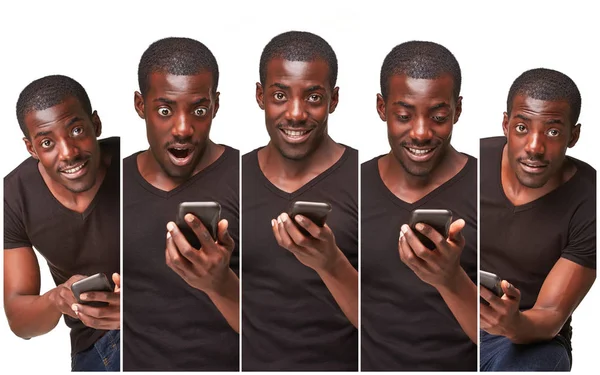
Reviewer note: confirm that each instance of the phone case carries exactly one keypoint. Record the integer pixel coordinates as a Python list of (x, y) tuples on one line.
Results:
[(491, 282), (315, 211), (95, 283), (438, 219), (209, 214)]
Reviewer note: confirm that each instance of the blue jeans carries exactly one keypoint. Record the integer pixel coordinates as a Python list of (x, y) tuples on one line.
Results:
[(104, 355), (497, 353)]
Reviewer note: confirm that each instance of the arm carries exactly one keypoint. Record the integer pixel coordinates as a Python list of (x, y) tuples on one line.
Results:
[(207, 269), (441, 269), (564, 288), (29, 313), (320, 252)]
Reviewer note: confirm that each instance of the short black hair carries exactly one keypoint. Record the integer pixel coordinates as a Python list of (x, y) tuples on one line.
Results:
[(420, 60), (299, 46), (547, 84), (47, 92), (178, 56)]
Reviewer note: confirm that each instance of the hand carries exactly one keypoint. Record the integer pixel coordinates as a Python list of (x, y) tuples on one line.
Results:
[(317, 250), (103, 317), (502, 315), (206, 268), (437, 267), (63, 297)]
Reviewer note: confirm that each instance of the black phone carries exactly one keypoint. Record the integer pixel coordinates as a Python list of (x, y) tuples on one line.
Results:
[(209, 214), (315, 211), (95, 283), (491, 282), (438, 219)]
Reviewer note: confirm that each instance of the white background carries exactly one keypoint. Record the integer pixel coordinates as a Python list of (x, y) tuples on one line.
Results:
[(100, 46)]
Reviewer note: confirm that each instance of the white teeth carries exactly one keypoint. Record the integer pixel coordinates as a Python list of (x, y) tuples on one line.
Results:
[(294, 133), (419, 152), (73, 170)]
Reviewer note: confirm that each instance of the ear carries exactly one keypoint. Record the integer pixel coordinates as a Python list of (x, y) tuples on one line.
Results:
[(574, 135), (505, 124), (138, 102), (458, 109), (381, 107), (260, 99), (97, 123), (216, 105), (30, 149), (335, 97)]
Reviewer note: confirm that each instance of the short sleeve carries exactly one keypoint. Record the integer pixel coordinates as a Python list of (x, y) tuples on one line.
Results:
[(581, 247), (15, 235)]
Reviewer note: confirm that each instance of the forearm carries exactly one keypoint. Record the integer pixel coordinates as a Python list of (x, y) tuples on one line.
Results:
[(536, 324), (342, 281), (460, 296), (227, 300), (30, 316)]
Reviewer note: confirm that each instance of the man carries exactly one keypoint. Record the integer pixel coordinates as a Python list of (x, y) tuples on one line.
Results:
[(64, 202), (419, 309), (538, 227), (182, 306), (300, 289)]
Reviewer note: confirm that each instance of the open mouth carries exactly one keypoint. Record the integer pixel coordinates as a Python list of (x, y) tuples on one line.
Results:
[(419, 154), (295, 135), (75, 171), (180, 154)]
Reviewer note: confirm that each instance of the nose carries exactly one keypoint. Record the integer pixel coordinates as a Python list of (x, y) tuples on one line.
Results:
[(183, 126), (420, 131), (535, 144), (296, 112), (68, 150)]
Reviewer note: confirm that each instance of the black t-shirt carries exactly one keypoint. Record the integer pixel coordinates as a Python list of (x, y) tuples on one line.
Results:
[(71, 242), (521, 244), (406, 325), (167, 324), (290, 320)]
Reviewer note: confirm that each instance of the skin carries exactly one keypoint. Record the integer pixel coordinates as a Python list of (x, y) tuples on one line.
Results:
[(420, 114), (178, 111), (297, 96), (61, 137), (537, 132)]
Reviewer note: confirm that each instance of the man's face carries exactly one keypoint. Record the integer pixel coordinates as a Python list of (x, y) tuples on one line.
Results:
[(538, 134), (178, 111), (297, 100), (64, 139), (420, 114)]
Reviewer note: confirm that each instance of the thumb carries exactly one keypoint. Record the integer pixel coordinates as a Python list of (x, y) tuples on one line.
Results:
[(223, 235), (455, 228), (117, 280), (510, 290)]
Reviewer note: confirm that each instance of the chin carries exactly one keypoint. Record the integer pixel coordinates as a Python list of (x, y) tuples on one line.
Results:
[(80, 188), (531, 183)]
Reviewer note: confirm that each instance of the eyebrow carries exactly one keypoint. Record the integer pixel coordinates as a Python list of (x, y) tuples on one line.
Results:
[(523, 117), (315, 88), (403, 104), (46, 132), (164, 100), (200, 101), (280, 85)]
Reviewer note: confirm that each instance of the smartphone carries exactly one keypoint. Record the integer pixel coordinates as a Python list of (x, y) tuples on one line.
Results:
[(209, 214), (315, 211), (491, 282), (438, 219), (95, 283)]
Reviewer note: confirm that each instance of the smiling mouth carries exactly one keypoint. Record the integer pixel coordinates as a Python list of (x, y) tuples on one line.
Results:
[(74, 169), (419, 151), (295, 134)]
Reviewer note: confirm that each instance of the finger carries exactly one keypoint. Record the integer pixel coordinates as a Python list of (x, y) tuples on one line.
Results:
[(415, 244), (286, 240), (183, 247), (109, 297), (174, 259), (454, 232), (117, 280), (206, 240), (487, 294), (299, 238), (112, 322), (408, 256), (74, 279), (510, 291), (104, 312), (223, 235), (312, 228), (275, 229), (430, 233)]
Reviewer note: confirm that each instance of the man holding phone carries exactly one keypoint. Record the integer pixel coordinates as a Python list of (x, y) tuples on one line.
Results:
[(419, 304), (181, 312), (64, 202), (538, 227), (300, 290)]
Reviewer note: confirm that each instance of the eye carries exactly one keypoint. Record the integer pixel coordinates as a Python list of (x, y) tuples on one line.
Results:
[(279, 96), (553, 132), (440, 119), (77, 130), (314, 98), (164, 111), (46, 143), (403, 118), (520, 128), (200, 111)]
